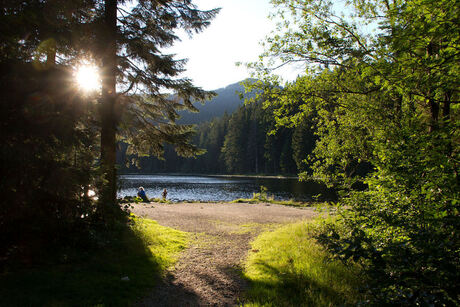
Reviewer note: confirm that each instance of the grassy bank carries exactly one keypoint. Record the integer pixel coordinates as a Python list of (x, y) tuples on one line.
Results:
[(270, 200), (287, 267), (264, 197), (114, 276)]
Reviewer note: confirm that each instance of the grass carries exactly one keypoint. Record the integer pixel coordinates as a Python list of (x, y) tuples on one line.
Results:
[(287, 267), (263, 197), (138, 200), (254, 227), (142, 254), (270, 200), (163, 242), (161, 200)]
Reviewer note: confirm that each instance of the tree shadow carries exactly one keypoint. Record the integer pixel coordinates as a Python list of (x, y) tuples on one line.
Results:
[(222, 289), (169, 294), (287, 288), (116, 272)]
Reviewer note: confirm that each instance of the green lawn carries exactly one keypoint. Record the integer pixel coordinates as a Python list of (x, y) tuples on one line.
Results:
[(143, 252), (286, 267)]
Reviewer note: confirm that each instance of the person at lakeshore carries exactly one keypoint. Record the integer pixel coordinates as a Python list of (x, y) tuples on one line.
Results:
[(165, 193), (141, 194)]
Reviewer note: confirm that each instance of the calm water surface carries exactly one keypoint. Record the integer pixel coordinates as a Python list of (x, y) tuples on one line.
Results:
[(212, 188)]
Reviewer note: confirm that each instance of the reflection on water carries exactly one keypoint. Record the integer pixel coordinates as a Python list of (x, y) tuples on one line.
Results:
[(209, 188)]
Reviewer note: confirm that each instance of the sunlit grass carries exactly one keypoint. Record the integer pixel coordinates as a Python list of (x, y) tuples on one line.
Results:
[(161, 201), (138, 200), (163, 242), (287, 267), (254, 227), (115, 276), (290, 202), (264, 197)]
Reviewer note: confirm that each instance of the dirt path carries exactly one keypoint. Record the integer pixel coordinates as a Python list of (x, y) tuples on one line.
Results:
[(208, 272)]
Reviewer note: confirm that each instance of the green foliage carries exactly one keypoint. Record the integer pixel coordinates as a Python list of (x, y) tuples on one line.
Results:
[(50, 33), (257, 197), (141, 252), (130, 199), (262, 196), (52, 134), (406, 224), (35, 31), (384, 101), (238, 144), (147, 120), (287, 267), (233, 150)]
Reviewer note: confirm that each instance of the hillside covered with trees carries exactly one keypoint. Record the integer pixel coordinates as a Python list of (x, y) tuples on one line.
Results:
[(226, 100), (237, 143)]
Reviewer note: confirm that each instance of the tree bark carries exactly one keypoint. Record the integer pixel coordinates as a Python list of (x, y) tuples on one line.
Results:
[(109, 100), (446, 105)]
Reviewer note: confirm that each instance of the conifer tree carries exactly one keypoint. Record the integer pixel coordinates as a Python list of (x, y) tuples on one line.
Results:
[(233, 152), (126, 40), (46, 136), (130, 52)]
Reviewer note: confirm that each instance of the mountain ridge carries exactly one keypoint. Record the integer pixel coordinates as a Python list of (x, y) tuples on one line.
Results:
[(227, 100)]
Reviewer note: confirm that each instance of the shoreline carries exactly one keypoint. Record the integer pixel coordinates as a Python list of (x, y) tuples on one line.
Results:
[(214, 175), (266, 202)]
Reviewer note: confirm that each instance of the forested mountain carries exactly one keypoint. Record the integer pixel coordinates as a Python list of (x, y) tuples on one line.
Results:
[(226, 100), (237, 143)]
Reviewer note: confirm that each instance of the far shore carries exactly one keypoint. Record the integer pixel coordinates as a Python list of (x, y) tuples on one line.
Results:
[(217, 175)]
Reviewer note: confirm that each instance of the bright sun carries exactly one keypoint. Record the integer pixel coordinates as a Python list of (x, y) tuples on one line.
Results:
[(87, 77)]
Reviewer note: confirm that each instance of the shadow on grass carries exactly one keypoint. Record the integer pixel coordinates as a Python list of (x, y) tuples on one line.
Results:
[(287, 267), (290, 289), (116, 275)]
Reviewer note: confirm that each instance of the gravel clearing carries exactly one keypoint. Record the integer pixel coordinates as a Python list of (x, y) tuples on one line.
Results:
[(208, 271)]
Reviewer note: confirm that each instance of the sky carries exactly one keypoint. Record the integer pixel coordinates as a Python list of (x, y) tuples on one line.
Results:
[(233, 36)]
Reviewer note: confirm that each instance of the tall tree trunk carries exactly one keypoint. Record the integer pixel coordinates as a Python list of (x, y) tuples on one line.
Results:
[(109, 99), (434, 106), (434, 110), (446, 105)]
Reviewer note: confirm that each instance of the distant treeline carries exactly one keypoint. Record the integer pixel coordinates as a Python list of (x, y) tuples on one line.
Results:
[(240, 143)]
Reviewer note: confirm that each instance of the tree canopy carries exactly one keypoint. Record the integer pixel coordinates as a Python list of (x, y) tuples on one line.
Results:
[(381, 84), (56, 135)]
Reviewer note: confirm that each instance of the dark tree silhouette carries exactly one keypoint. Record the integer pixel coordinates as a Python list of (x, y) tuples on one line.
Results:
[(129, 51)]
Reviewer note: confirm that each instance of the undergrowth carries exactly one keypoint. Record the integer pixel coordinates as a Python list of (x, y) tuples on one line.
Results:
[(264, 197), (116, 275), (287, 267), (138, 200), (270, 200)]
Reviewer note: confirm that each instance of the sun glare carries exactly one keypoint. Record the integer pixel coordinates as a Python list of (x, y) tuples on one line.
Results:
[(87, 77)]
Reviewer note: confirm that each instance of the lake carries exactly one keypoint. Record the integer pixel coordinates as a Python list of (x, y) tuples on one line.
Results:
[(218, 188)]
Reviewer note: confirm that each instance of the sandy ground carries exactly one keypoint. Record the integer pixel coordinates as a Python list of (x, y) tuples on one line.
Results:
[(208, 271)]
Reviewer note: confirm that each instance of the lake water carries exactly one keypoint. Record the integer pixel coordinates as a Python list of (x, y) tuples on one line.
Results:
[(214, 188)]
